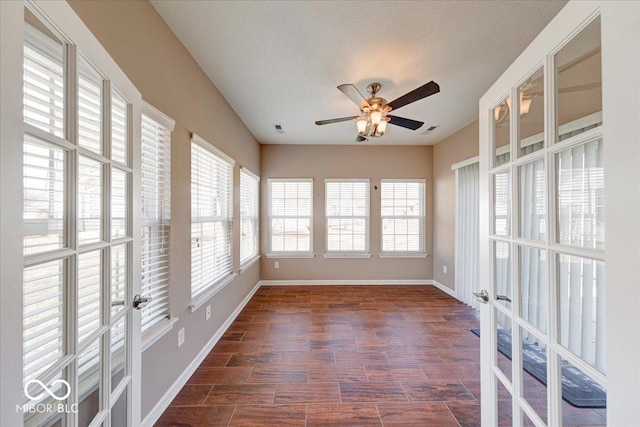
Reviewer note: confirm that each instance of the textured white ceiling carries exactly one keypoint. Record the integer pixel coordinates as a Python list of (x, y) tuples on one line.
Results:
[(279, 62)]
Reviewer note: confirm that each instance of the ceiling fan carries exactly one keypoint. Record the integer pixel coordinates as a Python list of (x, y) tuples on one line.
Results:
[(372, 122)]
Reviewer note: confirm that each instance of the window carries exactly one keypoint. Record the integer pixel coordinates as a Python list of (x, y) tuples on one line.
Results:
[(402, 215), (347, 217), (290, 217), (248, 216), (156, 218), (211, 219)]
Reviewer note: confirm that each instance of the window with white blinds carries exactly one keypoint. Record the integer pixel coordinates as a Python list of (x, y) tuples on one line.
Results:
[(347, 216), (211, 217), (156, 215), (249, 214), (290, 217), (403, 216)]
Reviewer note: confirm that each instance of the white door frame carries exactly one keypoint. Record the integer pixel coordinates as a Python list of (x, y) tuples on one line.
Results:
[(11, 133), (621, 113)]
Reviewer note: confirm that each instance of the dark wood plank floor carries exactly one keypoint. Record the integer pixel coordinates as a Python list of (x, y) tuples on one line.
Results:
[(339, 356)]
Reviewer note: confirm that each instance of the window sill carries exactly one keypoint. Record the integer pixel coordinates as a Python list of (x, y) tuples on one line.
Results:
[(205, 296), (244, 267), (347, 255), (405, 255), (158, 332), (292, 255)]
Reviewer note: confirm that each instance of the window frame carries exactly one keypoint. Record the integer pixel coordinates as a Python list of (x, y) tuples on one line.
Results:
[(366, 253), (206, 291), (157, 330), (270, 217), (423, 219), (247, 262)]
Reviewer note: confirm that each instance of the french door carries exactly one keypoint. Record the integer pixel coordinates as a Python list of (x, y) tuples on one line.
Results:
[(80, 352), (543, 328)]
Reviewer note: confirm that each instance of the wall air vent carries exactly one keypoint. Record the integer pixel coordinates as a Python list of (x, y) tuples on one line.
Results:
[(278, 128)]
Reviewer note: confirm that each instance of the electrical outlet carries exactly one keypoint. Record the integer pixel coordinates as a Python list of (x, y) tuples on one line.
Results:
[(180, 337), (207, 313), (444, 269), (276, 264)]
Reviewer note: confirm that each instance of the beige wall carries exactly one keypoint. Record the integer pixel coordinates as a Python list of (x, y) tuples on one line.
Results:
[(169, 79), (457, 147), (364, 161)]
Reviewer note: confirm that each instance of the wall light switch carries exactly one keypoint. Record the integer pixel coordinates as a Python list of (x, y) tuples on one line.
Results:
[(180, 337), (444, 269), (207, 313), (276, 264)]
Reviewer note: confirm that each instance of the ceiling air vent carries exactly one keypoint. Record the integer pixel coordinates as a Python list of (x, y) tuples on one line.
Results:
[(430, 129), (278, 128)]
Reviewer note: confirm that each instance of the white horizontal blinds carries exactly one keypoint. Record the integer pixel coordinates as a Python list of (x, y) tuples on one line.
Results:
[(502, 204), (580, 192), (403, 216), (347, 210), (43, 314), (89, 200), (89, 293), (89, 107), (119, 208), (290, 215), (119, 132), (44, 168), (43, 86), (467, 233), (211, 211), (582, 308), (118, 277), (248, 215), (156, 220)]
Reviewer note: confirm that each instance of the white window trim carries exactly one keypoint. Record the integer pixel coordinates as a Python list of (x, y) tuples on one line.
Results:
[(407, 254), (198, 300), (247, 264), (157, 115), (213, 288), (244, 265), (158, 330), (366, 253), (272, 254)]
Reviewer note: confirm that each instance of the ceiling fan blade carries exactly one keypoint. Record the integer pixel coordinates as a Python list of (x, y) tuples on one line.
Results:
[(353, 94), (341, 119), (405, 123), (360, 138), (415, 95)]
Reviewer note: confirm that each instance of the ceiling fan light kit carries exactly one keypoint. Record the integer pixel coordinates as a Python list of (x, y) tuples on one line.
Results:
[(374, 117)]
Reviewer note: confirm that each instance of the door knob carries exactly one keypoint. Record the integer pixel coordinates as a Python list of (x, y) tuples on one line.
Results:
[(140, 302), (482, 296)]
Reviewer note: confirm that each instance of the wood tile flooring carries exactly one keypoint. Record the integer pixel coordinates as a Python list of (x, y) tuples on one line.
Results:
[(339, 356)]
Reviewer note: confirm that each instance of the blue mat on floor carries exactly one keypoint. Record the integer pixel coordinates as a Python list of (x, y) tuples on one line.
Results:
[(577, 388)]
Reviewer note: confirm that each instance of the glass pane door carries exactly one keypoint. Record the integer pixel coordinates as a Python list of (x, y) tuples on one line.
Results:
[(545, 350), (77, 293)]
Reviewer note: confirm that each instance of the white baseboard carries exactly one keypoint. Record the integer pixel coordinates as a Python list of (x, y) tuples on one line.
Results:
[(444, 288), (342, 282), (173, 391)]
